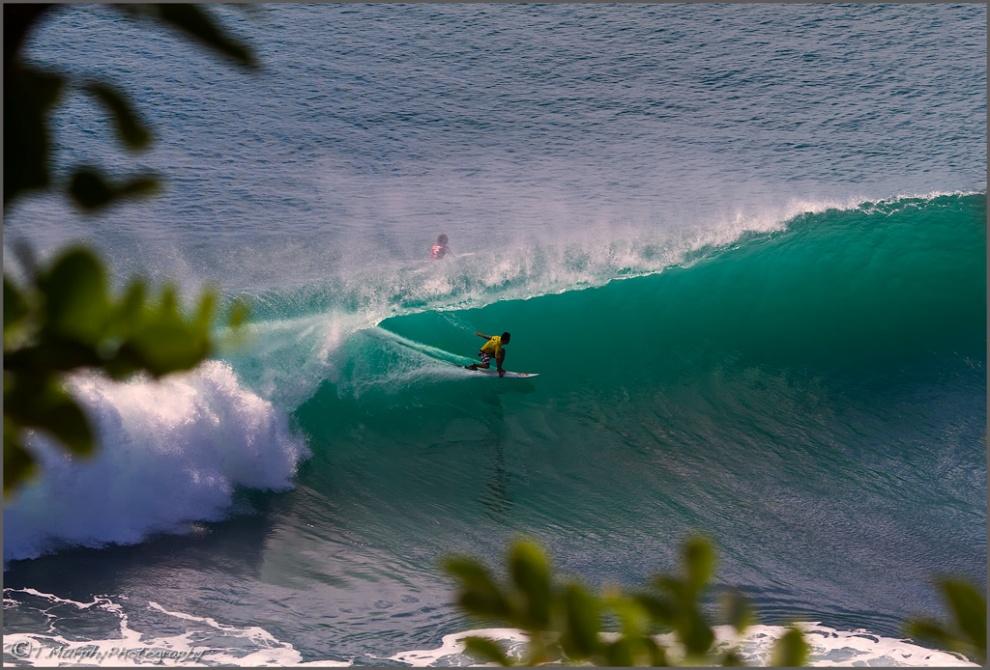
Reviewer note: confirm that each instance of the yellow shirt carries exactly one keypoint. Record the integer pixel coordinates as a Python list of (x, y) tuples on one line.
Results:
[(493, 345)]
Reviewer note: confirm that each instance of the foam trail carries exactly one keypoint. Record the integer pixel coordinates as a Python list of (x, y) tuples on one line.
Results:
[(172, 452)]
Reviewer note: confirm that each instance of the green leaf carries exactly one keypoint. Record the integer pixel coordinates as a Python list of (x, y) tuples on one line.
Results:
[(91, 190), (61, 417), (969, 612), (167, 345), (75, 295), (238, 314), (18, 463), (169, 302), (967, 633), (131, 129), (694, 633), (931, 631), (633, 617), (659, 608), (673, 587), (204, 310), (486, 650), (699, 562), (42, 404), (197, 24), (581, 622), (620, 653), (130, 307), (658, 654), (15, 308), (530, 573), (791, 650), (737, 611), (141, 186), (479, 595), (29, 95), (732, 659)]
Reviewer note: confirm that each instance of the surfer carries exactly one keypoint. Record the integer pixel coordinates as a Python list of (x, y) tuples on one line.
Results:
[(440, 249), (493, 347)]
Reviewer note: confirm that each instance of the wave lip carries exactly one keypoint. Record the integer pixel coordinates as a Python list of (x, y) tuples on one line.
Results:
[(172, 452)]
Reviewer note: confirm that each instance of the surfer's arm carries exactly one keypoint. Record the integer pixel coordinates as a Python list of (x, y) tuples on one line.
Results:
[(482, 335), (499, 357)]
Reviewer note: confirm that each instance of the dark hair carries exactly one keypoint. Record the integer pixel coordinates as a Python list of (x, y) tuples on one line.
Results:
[(442, 239), (506, 336)]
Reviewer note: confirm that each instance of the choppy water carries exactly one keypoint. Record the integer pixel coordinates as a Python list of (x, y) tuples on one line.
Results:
[(793, 361)]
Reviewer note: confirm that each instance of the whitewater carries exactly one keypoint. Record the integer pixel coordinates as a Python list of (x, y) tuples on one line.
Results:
[(775, 340)]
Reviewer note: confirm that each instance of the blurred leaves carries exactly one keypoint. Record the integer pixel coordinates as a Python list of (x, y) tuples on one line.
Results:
[(31, 93), (565, 621), (64, 318), (966, 633), (791, 650), (130, 127), (91, 190), (486, 650), (29, 96)]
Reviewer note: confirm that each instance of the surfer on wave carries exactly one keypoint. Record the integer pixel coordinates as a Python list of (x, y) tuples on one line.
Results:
[(494, 347)]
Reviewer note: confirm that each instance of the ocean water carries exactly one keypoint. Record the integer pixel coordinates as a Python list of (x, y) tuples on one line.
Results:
[(744, 247)]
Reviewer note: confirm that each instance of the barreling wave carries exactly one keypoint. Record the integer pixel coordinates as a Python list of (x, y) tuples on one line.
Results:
[(867, 294), (888, 284)]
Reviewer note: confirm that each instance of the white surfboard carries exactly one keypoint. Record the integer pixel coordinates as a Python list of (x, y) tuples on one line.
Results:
[(492, 372)]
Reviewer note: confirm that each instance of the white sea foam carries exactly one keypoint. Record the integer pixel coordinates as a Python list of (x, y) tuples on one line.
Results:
[(172, 452), (203, 641), (829, 647)]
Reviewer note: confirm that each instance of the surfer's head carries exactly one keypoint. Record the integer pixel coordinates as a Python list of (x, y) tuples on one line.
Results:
[(442, 239), (506, 336)]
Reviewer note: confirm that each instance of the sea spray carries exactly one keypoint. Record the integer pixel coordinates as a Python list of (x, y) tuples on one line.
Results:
[(172, 452)]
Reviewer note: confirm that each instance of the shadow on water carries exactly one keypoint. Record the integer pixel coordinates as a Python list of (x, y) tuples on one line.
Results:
[(234, 547), (497, 500)]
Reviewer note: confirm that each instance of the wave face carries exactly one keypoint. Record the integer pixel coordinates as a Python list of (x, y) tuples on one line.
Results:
[(818, 386), (852, 290)]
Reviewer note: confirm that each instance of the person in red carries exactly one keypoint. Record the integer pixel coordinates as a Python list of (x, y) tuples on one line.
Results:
[(440, 249)]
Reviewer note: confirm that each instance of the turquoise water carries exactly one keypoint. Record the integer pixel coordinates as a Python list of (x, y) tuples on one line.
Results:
[(744, 247)]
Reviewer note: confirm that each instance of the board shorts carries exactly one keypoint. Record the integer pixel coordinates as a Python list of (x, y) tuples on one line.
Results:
[(485, 357)]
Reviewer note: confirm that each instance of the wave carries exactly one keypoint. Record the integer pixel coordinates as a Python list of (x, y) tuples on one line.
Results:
[(173, 452), (884, 284), (872, 292), (831, 286)]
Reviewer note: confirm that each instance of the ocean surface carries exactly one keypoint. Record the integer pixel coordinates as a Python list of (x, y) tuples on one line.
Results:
[(744, 247)]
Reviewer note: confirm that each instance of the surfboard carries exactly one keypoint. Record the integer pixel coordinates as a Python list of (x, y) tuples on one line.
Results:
[(509, 374)]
